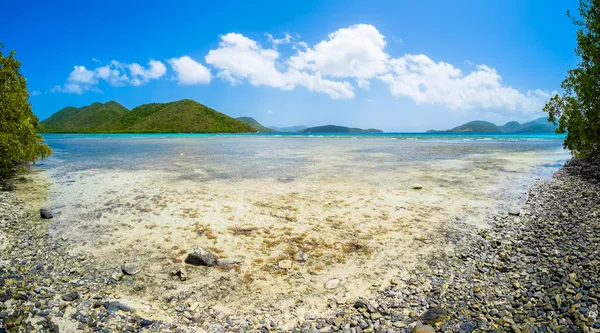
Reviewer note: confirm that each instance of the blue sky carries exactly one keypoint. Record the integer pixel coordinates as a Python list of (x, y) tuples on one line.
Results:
[(393, 65)]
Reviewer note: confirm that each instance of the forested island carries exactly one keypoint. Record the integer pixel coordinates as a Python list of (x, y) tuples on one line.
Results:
[(540, 125), (184, 116)]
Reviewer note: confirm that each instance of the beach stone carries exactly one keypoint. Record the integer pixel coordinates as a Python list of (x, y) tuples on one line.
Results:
[(146, 322), (300, 256), (332, 284), (46, 213), (433, 315), (180, 273), (131, 268), (285, 264), (201, 257), (417, 186), (420, 328), (70, 296), (227, 263), (467, 327)]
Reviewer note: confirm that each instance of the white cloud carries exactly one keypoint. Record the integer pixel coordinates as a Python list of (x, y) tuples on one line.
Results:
[(425, 81), (115, 73), (363, 84), (285, 40), (189, 71), (270, 112), (35, 93), (353, 52), (141, 75), (96, 60), (240, 58)]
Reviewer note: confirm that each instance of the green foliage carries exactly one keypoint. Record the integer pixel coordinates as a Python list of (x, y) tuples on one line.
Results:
[(19, 142), (577, 110), (256, 125), (338, 129), (185, 116)]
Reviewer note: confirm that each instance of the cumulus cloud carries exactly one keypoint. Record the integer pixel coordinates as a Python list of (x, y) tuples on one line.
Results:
[(357, 54), (115, 74), (189, 72), (239, 58), (426, 81), (141, 75), (353, 52)]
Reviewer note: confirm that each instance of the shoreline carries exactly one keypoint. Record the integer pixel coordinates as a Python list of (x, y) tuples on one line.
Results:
[(444, 280)]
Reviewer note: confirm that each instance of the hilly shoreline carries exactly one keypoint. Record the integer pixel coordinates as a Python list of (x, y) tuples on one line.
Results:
[(539, 125), (184, 116)]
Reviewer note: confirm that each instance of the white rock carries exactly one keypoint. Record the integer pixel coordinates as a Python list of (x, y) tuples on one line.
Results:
[(332, 284), (285, 264)]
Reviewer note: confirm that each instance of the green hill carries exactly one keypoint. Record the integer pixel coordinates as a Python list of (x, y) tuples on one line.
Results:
[(540, 125), (184, 116), (252, 122), (477, 126), (338, 129), (511, 126)]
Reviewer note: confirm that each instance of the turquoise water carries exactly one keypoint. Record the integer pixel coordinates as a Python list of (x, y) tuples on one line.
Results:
[(441, 136)]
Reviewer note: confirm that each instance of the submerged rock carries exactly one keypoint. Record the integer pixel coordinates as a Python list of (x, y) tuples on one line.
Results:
[(201, 257), (131, 268), (300, 256), (285, 264), (433, 315), (332, 284), (70, 296), (46, 213), (180, 273)]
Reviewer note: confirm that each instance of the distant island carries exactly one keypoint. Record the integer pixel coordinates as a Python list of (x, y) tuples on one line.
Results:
[(184, 116), (338, 129), (256, 125), (289, 129), (540, 125)]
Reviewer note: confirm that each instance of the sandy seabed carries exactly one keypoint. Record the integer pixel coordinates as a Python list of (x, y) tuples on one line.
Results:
[(357, 222)]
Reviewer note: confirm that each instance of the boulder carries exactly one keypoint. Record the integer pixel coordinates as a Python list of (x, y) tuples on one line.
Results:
[(433, 315), (201, 257), (70, 296), (417, 186), (46, 213)]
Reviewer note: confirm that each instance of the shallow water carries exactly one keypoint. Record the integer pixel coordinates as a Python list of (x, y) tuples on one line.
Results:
[(346, 201)]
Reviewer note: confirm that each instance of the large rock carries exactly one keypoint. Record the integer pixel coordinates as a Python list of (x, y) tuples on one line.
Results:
[(433, 315), (201, 257), (46, 213), (70, 296)]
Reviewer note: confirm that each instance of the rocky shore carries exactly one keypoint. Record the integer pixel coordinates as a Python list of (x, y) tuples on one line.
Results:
[(535, 270)]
